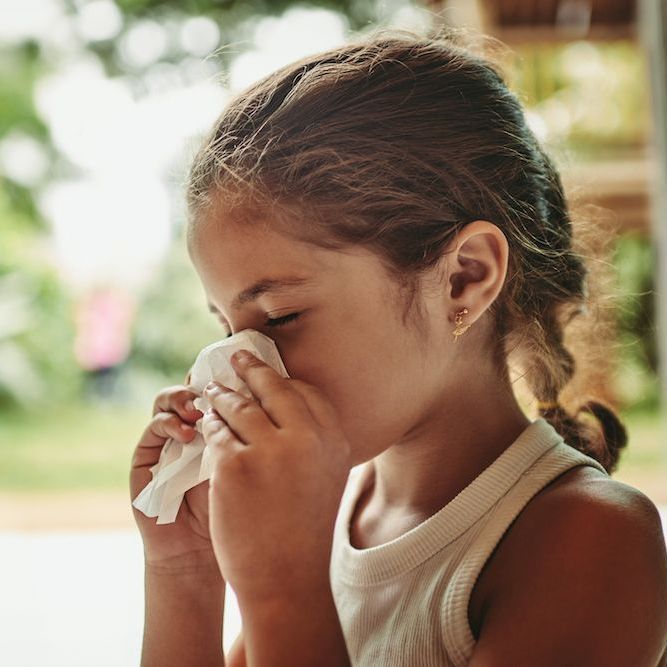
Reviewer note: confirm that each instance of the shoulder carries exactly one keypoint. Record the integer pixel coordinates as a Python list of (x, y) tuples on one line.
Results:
[(584, 575)]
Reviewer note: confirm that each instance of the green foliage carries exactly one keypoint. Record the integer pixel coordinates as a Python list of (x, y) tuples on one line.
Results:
[(359, 11), (592, 96), (234, 18), (173, 322), (36, 357), (72, 446), (19, 70), (635, 265)]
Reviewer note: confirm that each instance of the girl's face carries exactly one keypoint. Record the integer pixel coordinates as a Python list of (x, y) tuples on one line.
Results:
[(336, 320)]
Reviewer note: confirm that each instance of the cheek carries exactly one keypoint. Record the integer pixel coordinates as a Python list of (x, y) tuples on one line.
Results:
[(348, 376), (368, 393), (375, 382)]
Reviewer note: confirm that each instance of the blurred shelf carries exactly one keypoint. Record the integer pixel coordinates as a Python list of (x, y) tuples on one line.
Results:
[(622, 186), (520, 21)]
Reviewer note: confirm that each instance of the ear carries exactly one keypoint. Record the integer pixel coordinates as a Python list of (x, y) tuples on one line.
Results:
[(476, 267)]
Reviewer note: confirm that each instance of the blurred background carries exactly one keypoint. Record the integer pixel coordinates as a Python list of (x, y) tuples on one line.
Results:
[(102, 105)]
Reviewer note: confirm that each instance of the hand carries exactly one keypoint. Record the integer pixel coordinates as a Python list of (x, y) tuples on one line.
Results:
[(186, 541), (280, 464)]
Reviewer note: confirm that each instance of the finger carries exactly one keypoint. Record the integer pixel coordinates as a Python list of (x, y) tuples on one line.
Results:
[(169, 425), (163, 426), (244, 416), (284, 405), (216, 433), (178, 399)]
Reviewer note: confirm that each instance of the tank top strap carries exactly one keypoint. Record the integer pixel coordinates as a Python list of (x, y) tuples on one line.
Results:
[(458, 638)]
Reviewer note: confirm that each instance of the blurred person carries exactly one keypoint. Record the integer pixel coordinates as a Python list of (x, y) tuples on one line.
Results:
[(383, 212), (103, 320)]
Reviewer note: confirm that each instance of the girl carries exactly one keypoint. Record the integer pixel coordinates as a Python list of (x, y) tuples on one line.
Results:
[(385, 214)]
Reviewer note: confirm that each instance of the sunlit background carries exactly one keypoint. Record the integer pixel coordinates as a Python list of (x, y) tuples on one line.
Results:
[(102, 105)]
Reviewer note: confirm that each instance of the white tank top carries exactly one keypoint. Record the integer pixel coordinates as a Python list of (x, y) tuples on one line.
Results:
[(405, 603)]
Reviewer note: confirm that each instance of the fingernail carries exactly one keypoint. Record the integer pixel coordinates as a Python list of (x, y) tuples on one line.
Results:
[(241, 356), (185, 427), (190, 406)]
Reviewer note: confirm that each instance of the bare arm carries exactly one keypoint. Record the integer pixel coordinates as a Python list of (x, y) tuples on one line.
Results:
[(183, 615), (299, 630), (592, 591)]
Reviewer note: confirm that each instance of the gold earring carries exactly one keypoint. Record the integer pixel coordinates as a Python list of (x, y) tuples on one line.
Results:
[(460, 327)]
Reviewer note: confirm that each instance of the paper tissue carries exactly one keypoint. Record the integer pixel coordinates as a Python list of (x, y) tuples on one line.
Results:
[(182, 466)]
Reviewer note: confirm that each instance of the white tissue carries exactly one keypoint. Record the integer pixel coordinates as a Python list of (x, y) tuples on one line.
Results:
[(183, 466)]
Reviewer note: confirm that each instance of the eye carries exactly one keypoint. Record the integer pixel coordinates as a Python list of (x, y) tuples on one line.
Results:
[(276, 322), (279, 321)]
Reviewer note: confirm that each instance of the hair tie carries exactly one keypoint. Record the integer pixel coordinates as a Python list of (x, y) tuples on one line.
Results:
[(547, 405)]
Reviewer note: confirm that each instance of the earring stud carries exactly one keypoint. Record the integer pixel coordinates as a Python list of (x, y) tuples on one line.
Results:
[(460, 327)]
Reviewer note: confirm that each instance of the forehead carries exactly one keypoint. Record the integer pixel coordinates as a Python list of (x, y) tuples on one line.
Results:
[(233, 250), (239, 248), (231, 255)]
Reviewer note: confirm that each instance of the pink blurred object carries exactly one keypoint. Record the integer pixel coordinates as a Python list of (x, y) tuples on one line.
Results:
[(103, 320)]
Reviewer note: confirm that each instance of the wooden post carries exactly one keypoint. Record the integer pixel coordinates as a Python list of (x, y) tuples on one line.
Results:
[(653, 35)]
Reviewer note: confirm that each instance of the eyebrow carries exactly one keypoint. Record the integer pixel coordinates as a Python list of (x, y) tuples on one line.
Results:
[(264, 286)]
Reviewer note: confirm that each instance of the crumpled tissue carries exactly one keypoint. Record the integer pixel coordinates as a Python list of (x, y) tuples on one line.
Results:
[(183, 466)]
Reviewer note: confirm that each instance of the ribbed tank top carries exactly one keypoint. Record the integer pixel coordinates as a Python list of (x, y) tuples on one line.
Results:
[(405, 603)]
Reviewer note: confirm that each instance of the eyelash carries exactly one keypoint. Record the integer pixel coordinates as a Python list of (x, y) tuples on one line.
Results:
[(279, 321)]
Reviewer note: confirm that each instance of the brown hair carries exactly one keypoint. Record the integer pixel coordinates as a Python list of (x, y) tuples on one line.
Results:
[(395, 142)]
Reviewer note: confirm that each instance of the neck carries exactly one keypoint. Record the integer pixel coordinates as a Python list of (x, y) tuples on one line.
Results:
[(446, 451)]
